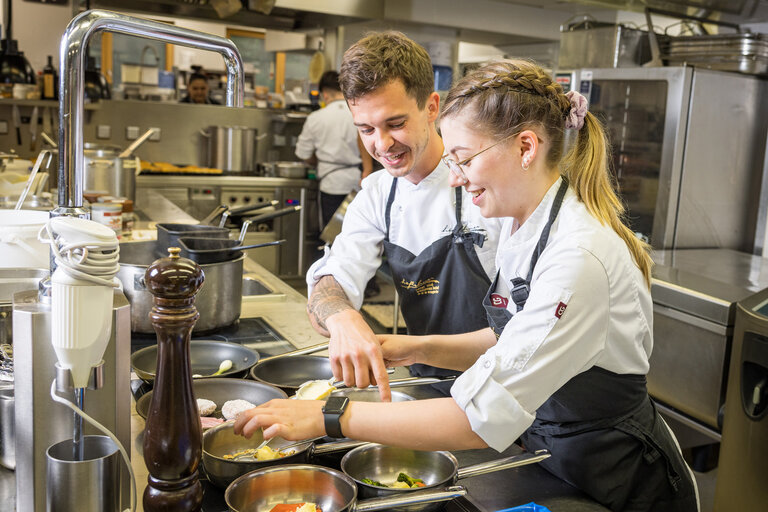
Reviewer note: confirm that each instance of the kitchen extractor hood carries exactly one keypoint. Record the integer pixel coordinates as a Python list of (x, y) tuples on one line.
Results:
[(267, 14), (732, 11)]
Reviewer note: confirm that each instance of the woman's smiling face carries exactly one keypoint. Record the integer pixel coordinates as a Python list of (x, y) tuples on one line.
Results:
[(491, 176)]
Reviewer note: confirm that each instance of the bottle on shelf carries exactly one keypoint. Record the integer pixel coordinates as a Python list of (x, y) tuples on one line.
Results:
[(50, 82)]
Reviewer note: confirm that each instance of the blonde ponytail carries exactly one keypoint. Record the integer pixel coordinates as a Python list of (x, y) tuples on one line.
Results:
[(586, 166)]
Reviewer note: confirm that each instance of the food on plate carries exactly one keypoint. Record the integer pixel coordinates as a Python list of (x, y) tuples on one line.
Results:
[(206, 407), (315, 389), (403, 482), (210, 421), (232, 408), (296, 507), (263, 453)]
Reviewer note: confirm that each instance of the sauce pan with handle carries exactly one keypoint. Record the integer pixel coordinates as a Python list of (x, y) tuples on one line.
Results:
[(221, 440), (437, 469), (327, 488)]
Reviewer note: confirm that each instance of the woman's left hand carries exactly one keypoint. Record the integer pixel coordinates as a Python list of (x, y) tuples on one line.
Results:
[(400, 350), (293, 420)]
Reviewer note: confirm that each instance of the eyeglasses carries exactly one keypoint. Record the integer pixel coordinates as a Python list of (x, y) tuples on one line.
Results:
[(455, 167)]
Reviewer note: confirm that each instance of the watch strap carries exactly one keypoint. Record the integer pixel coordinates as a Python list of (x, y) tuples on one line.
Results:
[(332, 420)]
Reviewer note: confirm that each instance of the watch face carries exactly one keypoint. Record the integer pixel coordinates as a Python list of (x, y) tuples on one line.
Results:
[(336, 404)]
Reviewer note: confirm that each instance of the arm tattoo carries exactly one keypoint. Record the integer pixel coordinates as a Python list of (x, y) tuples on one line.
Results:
[(328, 298)]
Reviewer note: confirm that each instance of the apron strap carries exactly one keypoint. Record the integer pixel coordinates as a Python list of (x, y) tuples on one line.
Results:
[(460, 233), (390, 200), (521, 288)]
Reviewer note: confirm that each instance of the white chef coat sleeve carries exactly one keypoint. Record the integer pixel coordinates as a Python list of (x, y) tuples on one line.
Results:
[(356, 252), (559, 333), (305, 144)]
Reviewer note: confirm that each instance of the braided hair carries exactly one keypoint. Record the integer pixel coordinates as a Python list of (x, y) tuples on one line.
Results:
[(507, 97)]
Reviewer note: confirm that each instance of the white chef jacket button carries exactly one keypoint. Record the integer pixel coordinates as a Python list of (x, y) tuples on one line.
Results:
[(487, 364)]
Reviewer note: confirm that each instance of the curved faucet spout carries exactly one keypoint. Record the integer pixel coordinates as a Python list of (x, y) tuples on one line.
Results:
[(72, 56)]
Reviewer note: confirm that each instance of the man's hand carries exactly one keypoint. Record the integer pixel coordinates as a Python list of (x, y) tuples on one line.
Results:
[(355, 353)]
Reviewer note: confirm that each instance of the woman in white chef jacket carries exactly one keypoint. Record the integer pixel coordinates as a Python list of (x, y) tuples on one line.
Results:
[(563, 365)]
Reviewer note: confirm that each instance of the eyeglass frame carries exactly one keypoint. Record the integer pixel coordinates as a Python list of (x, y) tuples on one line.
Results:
[(455, 167)]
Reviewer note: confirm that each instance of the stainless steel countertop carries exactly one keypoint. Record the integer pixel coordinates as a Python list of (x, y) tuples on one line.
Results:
[(218, 180)]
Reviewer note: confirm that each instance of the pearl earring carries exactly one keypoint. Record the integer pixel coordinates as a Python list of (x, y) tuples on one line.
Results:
[(526, 164)]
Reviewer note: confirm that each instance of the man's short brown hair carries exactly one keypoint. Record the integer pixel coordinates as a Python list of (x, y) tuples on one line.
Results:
[(383, 57)]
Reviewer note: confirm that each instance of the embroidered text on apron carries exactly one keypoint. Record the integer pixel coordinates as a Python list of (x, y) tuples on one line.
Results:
[(441, 290), (602, 429)]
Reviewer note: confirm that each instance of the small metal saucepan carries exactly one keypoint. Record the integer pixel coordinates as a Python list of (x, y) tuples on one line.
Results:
[(331, 490), (436, 469), (221, 440), (205, 357), (220, 390)]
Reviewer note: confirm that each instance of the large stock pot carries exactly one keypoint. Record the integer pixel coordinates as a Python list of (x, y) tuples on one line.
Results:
[(218, 301)]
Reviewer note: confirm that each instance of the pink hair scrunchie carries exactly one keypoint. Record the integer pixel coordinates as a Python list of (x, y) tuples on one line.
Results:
[(579, 107)]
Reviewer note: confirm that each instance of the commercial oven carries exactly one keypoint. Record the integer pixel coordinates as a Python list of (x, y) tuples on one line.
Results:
[(688, 147)]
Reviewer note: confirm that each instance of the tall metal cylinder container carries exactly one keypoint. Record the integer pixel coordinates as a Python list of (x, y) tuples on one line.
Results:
[(88, 485)]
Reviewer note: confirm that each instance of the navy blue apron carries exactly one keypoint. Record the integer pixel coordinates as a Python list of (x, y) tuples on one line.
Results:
[(441, 290), (604, 433)]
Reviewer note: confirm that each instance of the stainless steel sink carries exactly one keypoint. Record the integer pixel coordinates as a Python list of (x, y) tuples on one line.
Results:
[(253, 287)]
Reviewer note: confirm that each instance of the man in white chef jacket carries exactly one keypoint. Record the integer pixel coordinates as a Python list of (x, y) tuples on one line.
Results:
[(439, 248), (329, 140)]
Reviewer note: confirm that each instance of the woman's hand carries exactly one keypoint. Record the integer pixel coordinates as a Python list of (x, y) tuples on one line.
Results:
[(399, 350), (293, 420)]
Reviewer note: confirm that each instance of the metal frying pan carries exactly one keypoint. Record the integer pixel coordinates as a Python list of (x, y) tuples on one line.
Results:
[(220, 391), (437, 469), (280, 370), (288, 373), (205, 357)]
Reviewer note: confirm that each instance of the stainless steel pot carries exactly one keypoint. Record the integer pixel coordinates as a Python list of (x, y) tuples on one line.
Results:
[(231, 148), (104, 170), (285, 169), (436, 469), (329, 489), (221, 440), (218, 301), (112, 170)]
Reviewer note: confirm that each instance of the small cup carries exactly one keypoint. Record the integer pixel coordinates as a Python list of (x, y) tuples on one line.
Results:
[(88, 485)]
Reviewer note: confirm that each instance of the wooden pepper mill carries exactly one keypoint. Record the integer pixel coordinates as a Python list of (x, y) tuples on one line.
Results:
[(173, 436)]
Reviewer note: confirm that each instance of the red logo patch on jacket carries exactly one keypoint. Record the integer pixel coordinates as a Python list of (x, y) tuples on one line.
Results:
[(498, 301), (560, 309)]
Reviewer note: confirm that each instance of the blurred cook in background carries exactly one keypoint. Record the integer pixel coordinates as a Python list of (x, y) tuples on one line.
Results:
[(198, 90), (329, 141)]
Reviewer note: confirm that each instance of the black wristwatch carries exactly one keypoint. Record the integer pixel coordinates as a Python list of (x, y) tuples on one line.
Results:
[(332, 410)]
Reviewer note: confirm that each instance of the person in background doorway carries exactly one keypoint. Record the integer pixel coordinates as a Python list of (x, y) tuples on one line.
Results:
[(438, 247), (198, 91), (329, 142)]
